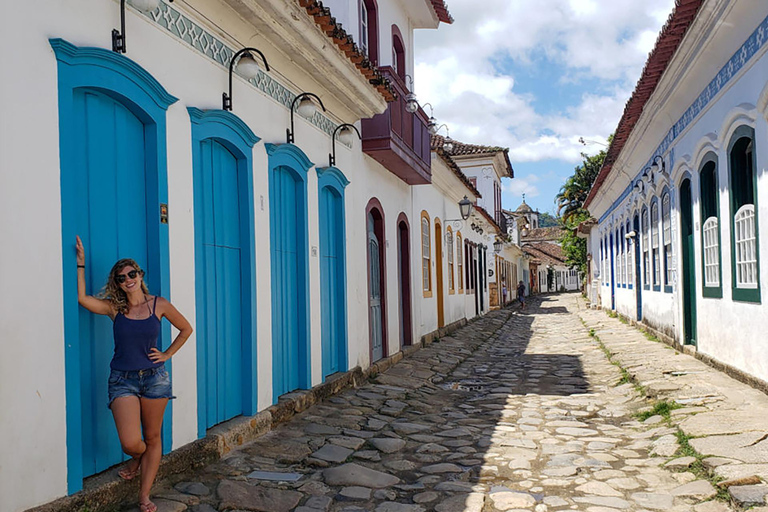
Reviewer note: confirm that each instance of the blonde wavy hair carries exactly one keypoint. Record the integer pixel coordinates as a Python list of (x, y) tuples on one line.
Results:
[(112, 290)]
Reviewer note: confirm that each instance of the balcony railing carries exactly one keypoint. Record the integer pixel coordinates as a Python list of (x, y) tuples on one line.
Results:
[(399, 140)]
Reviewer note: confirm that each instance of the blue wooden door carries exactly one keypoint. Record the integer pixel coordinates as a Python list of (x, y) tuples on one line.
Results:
[(332, 282), (221, 340), (111, 218), (288, 292), (374, 287)]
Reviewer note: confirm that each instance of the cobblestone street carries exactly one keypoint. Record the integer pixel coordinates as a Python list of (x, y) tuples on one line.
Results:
[(516, 411)]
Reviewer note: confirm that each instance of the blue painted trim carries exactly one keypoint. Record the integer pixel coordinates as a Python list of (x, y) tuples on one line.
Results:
[(291, 157), (230, 131), (332, 177), (125, 81), (738, 60)]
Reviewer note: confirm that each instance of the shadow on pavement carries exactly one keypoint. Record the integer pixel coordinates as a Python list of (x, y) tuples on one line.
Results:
[(420, 437)]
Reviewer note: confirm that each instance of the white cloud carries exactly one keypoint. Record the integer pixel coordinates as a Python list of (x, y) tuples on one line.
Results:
[(607, 41), (522, 185)]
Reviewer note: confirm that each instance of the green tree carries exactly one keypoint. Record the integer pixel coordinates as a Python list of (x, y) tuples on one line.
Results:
[(570, 207), (547, 220), (574, 248)]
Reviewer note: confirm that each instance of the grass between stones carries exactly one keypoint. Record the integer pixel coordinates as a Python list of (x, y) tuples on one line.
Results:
[(626, 378), (664, 409), (661, 408), (698, 468)]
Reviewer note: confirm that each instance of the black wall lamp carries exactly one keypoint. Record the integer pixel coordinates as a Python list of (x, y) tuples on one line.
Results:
[(649, 173), (497, 245), (118, 37), (345, 137), (307, 108), (246, 66)]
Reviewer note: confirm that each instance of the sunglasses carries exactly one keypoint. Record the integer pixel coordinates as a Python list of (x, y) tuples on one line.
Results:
[(120, 278)]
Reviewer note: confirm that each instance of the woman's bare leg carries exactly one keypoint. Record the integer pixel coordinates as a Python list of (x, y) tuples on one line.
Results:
[(126, 410), (152, 410)]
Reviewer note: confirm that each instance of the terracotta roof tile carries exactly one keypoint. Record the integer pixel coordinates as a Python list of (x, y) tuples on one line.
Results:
[(543, 234), (465, 149), (456, 170), (345, 43), (658, 60), (546, 252), (442, 11)]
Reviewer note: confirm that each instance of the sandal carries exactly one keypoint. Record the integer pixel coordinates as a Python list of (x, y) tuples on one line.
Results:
[(127, 474), (147, 507)]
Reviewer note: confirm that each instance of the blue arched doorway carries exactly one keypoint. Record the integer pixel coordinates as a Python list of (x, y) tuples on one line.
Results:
[(224, 266), (113, 183), (288, 167), (333, 270)]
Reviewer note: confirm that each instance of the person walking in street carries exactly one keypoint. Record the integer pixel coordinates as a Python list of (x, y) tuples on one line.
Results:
[(139, 385), (521, 294)]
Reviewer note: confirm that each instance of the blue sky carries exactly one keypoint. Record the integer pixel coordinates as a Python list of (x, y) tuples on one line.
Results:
[(534, 76)]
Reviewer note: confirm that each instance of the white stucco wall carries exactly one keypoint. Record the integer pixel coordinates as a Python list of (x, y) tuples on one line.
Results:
[(32, 382), (727, 330)]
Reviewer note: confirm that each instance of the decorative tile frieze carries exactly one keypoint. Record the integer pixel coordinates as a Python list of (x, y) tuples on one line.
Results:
[(735, 64), (187, 30)]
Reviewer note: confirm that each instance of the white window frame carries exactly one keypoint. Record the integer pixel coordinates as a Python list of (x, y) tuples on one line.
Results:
[(745, 249), (711, 253)]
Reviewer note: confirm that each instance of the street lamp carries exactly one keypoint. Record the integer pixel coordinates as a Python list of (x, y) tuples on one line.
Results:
[(246, 66), (345, 136), (306, 108), (465, 208), (497, 245), (411, 104), (118, 36), (448, 142)]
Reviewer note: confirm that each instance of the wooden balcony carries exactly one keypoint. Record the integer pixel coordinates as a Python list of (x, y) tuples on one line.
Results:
[(399, 140)]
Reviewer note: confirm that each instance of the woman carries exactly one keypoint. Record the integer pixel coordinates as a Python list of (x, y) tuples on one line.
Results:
[(139, 385)]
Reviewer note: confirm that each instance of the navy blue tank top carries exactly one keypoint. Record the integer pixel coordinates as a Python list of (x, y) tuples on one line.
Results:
[(133, 341)]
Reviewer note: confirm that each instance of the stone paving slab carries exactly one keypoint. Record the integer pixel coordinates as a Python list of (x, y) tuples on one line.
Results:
[(518, 411), (726, 418)]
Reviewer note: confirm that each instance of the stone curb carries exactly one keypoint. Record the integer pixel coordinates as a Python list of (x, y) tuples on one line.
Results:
[(105, 491)]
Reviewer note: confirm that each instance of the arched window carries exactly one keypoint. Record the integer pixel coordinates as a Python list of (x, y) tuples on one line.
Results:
[(655, 244), (646, 245), (710, 232), (460, 261), (666, 227), (369, 30), (630, 258), (744, 226), (622, 258), (449, 243), (426, 260), (398, 52)]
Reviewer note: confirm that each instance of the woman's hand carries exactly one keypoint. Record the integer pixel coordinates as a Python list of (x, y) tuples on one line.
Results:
[(156, 356), (80, 251)]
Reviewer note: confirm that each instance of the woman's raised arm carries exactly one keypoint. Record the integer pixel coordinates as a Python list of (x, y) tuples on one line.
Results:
[(92, 304)]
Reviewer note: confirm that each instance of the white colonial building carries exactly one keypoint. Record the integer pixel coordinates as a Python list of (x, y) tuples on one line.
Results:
[(282, 246), (683, 194)]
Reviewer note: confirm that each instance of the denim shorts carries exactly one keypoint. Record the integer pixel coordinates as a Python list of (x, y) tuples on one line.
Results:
[(149, 383)]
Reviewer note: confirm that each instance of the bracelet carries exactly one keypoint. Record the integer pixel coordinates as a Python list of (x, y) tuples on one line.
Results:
[(81, 266)]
